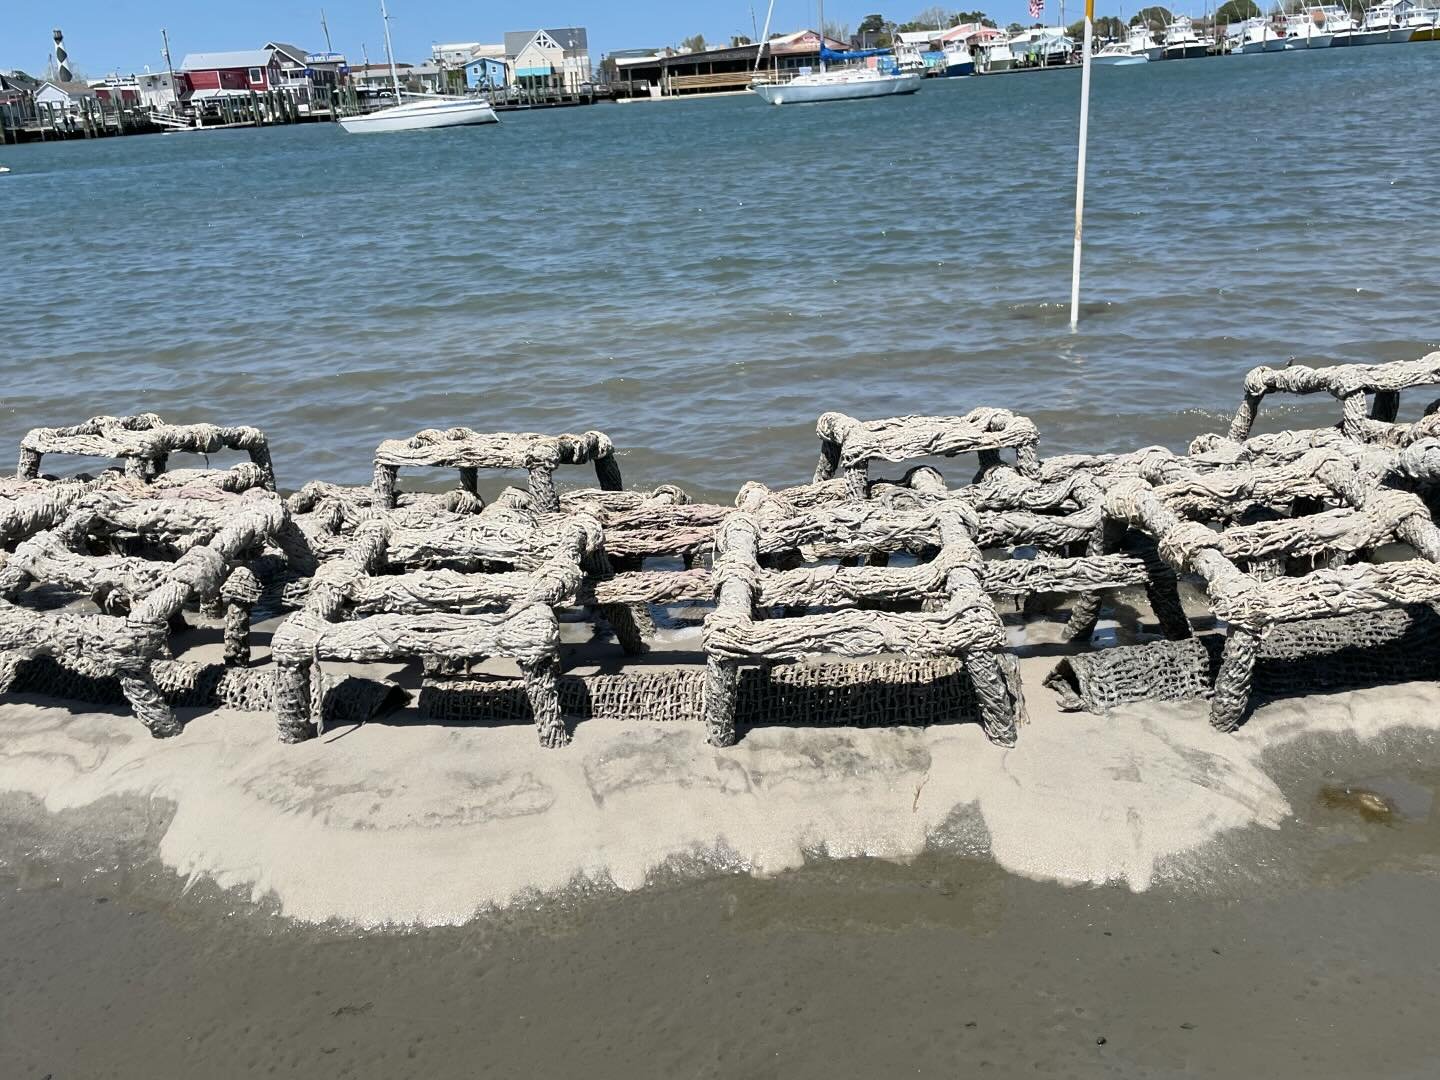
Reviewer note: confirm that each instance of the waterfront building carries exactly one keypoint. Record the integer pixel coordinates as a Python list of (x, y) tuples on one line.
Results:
[(213, 75), (17, 98), (67, 96), (159, 90), (486, 73), (307, 76), (636, 73), (556, 59), (123, 90)]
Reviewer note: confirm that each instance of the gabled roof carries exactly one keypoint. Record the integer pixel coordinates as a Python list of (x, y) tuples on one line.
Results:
[(573, 39), (18, 80), (213, 61), (71, 89), (292, 53)]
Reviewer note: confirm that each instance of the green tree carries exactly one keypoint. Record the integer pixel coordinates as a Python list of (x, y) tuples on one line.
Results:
[(695, 43), (1156, 18), (871, 24), (1234, 11), (738, 40)]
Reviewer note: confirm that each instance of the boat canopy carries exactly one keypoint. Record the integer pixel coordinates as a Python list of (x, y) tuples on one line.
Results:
[(851, 54)]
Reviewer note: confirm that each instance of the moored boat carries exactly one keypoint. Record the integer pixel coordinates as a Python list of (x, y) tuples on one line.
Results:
[(959, 60), (842, 84), (1259, 35), (1141, 42), (1308, 29), (1182, 43), (1118, 54), (994, 56), (423, 112)]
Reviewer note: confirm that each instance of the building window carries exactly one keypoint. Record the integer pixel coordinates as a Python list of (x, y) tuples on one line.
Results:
[(254, 75)]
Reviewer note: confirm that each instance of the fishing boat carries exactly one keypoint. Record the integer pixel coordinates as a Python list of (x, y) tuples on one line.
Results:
[(3, 170), (1258, 35), (959, 60), (1182, 43), (1308, 30), (1380, 22), (423, 111), (994, 56), (1429, 29), (1416, 23), (1141, 42), (1118, 54)]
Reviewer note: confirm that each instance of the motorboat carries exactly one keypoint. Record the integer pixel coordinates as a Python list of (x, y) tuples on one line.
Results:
[(1182, 43), (1118, 54), (994, 56), (842, 84), (421, 112), (1141, 42), (1379, 24), (909, 60), (959, 60), (1308, 30), (1259, 35)]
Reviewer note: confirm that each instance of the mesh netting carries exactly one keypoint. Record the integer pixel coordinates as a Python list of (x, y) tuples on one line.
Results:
[(1349, 652), (872, 694)]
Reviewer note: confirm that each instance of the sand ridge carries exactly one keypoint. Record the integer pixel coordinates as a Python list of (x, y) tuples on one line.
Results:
[(418, 824)]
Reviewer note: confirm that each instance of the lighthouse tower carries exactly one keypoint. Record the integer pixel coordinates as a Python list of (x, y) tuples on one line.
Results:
[(62, 58)]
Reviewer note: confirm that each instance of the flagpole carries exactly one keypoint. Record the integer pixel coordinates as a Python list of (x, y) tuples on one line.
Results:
[(1080, 164)]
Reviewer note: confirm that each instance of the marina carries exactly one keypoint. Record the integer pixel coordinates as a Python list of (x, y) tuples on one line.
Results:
[(475, 601)]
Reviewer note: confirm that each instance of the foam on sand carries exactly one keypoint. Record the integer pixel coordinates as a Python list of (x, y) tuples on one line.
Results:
[(422, 824)]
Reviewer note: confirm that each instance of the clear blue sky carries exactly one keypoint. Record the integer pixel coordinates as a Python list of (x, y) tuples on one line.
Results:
[(104, 36)]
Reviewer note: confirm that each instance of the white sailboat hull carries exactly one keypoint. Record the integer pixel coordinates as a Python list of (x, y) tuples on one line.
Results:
[(422, 115), (807, 90)]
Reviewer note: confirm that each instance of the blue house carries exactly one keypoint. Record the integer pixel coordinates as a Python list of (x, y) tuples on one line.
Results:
[(486, 73)]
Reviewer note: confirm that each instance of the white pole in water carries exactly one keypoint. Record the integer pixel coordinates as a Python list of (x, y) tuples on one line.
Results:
[(1080, 164)]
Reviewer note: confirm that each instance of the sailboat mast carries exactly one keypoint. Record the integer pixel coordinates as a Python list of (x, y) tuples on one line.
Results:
[(390, 51), (822, 35), (764, 39)]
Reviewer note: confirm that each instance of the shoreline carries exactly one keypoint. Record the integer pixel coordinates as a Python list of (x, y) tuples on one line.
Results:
[(406, 823)]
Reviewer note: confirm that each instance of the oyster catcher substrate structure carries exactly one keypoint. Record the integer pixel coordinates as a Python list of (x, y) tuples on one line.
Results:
[(1309, 559)]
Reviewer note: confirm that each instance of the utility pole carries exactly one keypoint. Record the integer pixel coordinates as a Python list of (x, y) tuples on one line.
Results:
[(170, 67)]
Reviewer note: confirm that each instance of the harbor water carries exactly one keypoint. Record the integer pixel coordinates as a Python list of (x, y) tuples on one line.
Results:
[(701, 279)]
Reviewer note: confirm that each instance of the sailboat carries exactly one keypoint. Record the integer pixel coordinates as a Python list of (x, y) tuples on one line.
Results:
[(842, 84), (423, 111)]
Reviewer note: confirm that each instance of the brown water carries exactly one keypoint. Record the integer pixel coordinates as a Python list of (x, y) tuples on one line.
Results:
[(1313, 951)]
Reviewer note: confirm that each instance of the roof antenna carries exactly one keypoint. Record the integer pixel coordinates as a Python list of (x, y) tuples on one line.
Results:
[(323, 26)]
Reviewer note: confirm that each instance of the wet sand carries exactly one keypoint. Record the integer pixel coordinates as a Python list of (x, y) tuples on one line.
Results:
[(407, 899)]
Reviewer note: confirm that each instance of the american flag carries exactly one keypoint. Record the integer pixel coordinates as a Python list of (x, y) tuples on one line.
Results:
[(1037, 8)]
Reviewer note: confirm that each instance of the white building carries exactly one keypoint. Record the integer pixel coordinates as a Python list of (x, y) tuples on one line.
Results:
[(558, 58)]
